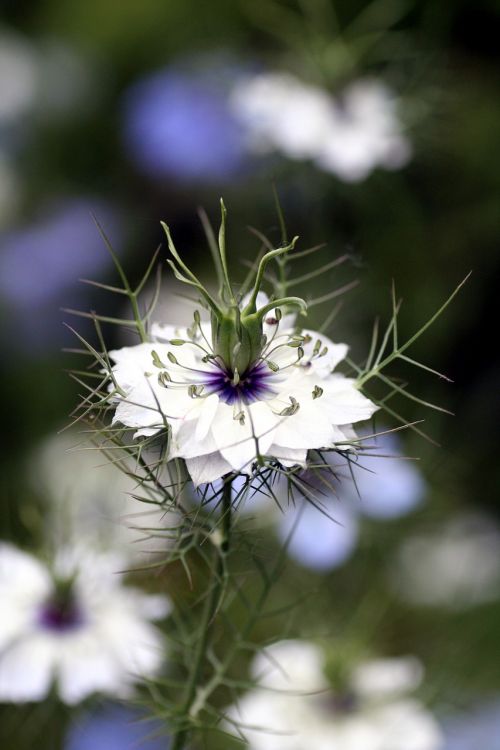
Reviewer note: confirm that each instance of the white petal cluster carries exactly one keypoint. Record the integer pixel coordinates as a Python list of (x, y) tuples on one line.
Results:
[(299, 404), (292, 707), (105, 643), (349, 135)]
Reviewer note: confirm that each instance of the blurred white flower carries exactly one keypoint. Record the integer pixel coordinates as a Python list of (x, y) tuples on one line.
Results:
[(282, 409), (50, 77), (280, 112), (366, 133), (349, 135), (455, 566), (88, 498), (387, 677), (293, 708), (18, 76), (74, 625)]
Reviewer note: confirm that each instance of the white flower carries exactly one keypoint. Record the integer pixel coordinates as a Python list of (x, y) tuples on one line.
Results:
[(366, 133), (287, 401), (76, 626), (349, 135), (292, 707), (89, 499), (457, 566), (281, 112)]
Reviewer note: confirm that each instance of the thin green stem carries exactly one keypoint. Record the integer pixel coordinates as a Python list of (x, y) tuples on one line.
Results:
[(138, 318), (208, 615)]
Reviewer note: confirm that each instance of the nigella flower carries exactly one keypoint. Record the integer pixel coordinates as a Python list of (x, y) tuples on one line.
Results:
[(293, 706), (250, 388), (75, 626)]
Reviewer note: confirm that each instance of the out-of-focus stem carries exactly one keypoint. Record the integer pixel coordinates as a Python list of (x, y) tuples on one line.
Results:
[(207, 617)]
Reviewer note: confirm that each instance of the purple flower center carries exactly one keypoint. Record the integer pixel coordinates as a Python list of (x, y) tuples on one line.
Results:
[(60, 614), (253, 384)]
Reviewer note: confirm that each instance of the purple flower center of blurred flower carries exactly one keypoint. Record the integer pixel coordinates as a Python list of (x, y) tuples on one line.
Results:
[(60, 614), (179, 124)]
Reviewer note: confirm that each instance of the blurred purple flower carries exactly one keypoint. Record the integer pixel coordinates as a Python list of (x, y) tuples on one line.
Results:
[(389, 488), (476, 730), (40, 265), (115, 728), (178, 123)]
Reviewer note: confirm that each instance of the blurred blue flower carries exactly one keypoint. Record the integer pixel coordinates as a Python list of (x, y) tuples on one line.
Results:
[(40, 265), (178, 123), (318, 541), (477, 730), (388, 488), (115, 728)]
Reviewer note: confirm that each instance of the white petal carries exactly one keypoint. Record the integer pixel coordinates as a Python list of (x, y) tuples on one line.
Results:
[(288, 456), (26, 669), (206, 416), (86, 665), (309, 427), (155, 606), (22, 574), (238, 442), (207, 468), (149, 405), (140, 649), (407, 725), (344, 403), (24, 585), (290, 665), (387, 677), (185, 445), (324, 365)]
